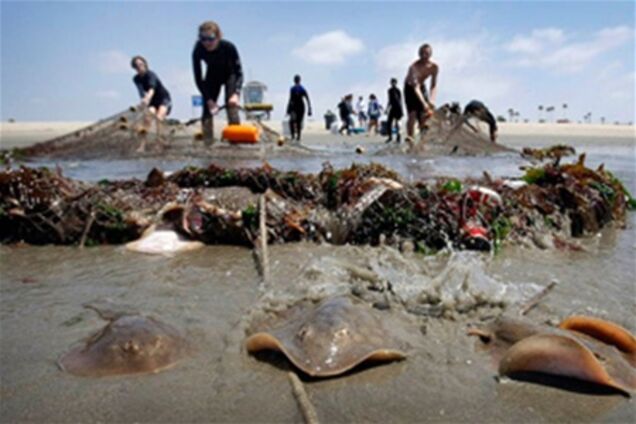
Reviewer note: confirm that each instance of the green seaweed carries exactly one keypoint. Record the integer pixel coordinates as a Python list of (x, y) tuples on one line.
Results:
[(250, 217), (631, 202), (398, 217), (229, 177), (605, 190), (534, 175), (423, 249), (453, 186), (501, 228)]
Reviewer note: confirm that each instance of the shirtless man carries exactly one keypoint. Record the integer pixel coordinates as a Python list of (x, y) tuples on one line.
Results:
[(419, 106)]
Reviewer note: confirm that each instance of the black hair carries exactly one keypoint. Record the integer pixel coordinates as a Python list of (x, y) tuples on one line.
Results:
[(296, 79), (134, 59)]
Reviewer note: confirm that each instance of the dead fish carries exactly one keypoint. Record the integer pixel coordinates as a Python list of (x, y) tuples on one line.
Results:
[(128, 344), (331, 338), (590, 355)]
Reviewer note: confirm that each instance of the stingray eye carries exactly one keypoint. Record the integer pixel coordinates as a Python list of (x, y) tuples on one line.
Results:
[(342, 333), (303, 333), (130, 347), (485, 338)]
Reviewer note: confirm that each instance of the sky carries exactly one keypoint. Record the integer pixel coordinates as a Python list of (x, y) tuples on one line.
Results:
[(70, 60)]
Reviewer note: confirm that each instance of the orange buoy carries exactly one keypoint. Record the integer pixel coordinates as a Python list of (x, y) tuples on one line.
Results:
[(241, 134)]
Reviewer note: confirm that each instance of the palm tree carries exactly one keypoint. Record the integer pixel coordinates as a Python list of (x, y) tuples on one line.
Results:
[(565, 106), (511, 113), (549, 110), (602, 119), (540, 113)]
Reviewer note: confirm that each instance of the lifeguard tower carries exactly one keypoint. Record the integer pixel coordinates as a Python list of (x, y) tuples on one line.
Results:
[(254, 101)]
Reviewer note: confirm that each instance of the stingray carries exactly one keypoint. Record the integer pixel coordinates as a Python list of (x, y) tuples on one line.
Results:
[(128, 344), (582, 348), (330, 338)]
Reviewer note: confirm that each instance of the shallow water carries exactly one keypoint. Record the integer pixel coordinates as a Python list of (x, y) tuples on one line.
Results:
[(208, 294)]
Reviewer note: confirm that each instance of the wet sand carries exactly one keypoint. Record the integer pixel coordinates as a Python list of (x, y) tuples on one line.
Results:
[(23, 134), (209, 293)]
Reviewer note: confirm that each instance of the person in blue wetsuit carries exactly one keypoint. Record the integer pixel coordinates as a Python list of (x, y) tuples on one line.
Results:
[(296, 108), (154, 96)]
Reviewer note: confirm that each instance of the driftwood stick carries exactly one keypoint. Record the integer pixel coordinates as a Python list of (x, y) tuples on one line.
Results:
[(262, 223), (307, 409), (537, 298), (87, 229)]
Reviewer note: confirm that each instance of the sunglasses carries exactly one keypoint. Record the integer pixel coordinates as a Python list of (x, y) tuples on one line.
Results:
[(207, 38)]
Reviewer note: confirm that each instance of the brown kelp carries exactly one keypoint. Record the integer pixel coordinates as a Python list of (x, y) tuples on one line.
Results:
[(362, 204)]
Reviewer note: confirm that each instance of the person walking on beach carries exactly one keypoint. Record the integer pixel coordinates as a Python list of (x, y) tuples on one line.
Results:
[(361, 112), (155, 99), (345, 110), (420, 105), (375, 112), (223, 69), (296, 108), (394, 110)]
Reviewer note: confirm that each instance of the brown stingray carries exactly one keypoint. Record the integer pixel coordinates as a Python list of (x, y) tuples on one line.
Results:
[(333, 337), (605, 331), (129, 344), (522, 347)]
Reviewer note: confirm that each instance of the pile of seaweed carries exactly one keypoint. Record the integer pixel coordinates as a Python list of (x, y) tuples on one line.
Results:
[(364, 204)]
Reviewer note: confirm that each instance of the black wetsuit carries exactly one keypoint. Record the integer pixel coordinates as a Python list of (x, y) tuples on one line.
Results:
[(395, 110), (345, 110), (296, 109), (480, 111), (148, 81), (223, 68)]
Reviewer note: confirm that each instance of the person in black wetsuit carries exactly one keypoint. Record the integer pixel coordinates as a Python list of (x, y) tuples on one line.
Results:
[(476, 109), (394, 110), (296, 108), (154, 96), (223, 69), (345, 110)]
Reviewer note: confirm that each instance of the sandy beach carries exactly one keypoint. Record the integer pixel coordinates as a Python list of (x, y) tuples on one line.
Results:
[(22, 134)]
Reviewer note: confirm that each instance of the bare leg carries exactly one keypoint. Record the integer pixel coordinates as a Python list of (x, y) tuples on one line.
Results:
[(233, 115), (207, 129), (161, 116), (143, 131), (410, 124)]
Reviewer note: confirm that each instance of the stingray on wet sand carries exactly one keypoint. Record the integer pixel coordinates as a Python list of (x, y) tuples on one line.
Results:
[(128, 344), (583, 348), (330, 338), (162, 242)]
